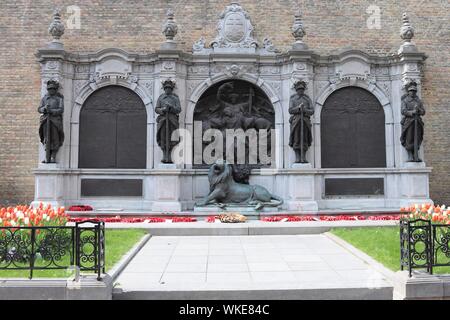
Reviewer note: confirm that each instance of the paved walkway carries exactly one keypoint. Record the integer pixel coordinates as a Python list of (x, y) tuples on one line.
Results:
[(215, 263)]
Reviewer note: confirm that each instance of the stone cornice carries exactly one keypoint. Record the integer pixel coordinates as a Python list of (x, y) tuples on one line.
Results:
[(308, 56), (156, 171)]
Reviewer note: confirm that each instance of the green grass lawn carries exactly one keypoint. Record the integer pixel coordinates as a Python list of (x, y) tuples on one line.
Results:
[(117, 243), (381, 243)]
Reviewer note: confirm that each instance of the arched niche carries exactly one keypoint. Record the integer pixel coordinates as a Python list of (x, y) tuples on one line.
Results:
[(113, 130), (250, 108), (352, 130)]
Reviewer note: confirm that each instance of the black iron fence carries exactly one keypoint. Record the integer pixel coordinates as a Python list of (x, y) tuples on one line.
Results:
[(424, 245), (81, 246)]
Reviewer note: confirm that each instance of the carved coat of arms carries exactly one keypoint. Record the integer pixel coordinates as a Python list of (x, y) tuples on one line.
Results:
[(234, 29)]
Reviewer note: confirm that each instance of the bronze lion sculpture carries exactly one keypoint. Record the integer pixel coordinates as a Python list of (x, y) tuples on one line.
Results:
[(224, 190)]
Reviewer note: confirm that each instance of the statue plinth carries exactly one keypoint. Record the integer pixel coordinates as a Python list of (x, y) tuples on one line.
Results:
[(233, 208), (305, 165), (49, 166), (412, 164), (167, 166)]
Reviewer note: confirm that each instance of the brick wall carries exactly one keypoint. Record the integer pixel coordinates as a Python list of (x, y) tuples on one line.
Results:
[(135, 25)]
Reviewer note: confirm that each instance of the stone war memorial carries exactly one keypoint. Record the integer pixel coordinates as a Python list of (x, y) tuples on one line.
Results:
[(318, 132), (208, 150)]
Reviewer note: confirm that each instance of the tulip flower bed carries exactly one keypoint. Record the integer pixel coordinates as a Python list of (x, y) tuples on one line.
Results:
[(26, 216), (435, 214)]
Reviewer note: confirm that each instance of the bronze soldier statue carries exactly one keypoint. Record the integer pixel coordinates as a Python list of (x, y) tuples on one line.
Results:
[(51, 122), (167, 107), (412, 124), (301, 109)]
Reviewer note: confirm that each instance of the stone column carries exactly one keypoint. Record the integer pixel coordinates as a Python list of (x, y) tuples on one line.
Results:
[(414, 182), (167, 185), (49, 184)]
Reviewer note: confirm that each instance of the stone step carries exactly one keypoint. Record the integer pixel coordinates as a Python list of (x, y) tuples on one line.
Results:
[(202, 228), (279, 291), (249, 214)]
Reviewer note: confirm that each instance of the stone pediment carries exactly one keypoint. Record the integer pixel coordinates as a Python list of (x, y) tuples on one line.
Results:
[(113, 66), (234, 29), (353, 69)]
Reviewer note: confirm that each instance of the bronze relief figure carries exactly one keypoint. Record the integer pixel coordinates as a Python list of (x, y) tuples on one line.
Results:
[(168, 108), (235, 105), (412, 124), (301, 109), (51, 131)]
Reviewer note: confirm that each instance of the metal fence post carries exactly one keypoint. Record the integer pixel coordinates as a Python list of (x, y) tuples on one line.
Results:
[(99, 251), (32, 254), (418, 231), (409, 249)]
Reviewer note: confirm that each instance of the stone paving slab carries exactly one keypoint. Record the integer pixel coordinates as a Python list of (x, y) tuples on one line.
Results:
[(250, 267)]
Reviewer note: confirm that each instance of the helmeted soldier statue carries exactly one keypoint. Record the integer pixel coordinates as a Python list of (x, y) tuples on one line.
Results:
[(51, 122), (167, 107), (301, 109), (412, 125)]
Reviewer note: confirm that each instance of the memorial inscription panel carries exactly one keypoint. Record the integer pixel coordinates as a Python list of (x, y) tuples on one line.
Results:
[(113, 130), (353, 130)]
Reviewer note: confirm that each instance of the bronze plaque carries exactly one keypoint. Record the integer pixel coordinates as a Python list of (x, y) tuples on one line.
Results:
[(113, 130), (353, 130), (354, 186), (111, 187)]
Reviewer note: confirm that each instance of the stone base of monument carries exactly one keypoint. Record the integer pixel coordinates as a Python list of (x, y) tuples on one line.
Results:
[(300, 189), (54, 204), (174, 190), (167, 189), (164, 206), (49, 186), (302, 206), (232, 208)]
